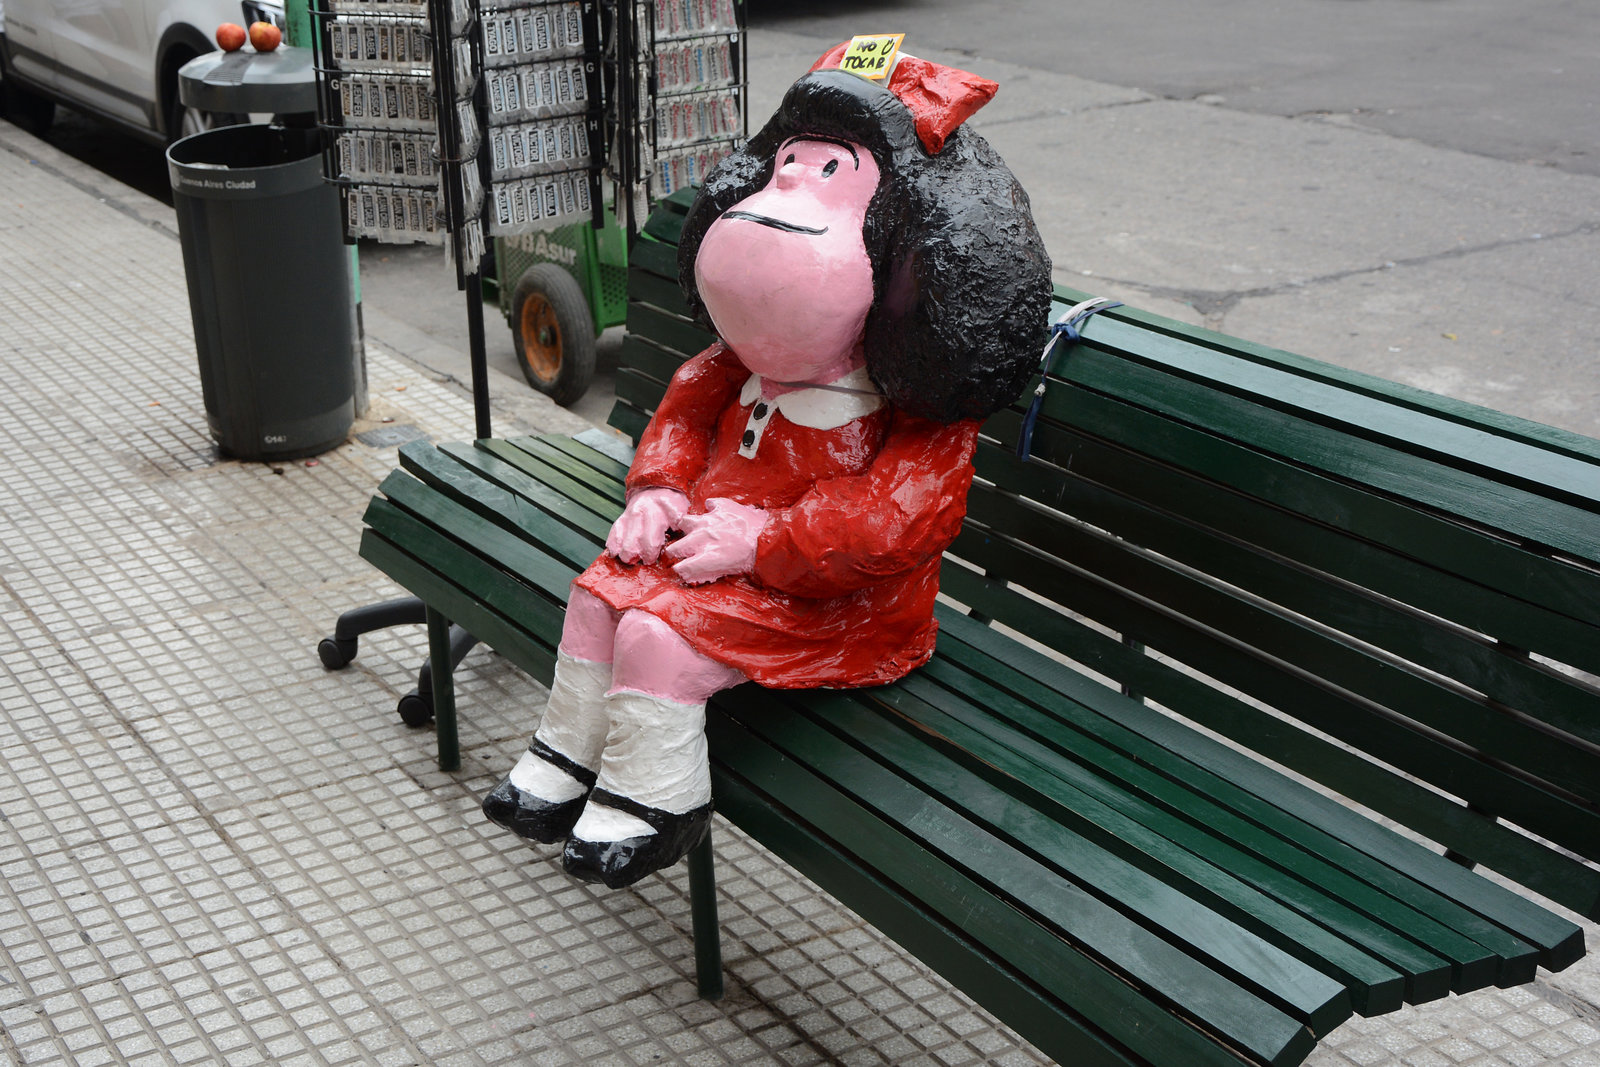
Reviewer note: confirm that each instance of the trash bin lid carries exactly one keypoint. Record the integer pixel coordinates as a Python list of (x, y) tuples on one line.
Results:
[(281, 82)]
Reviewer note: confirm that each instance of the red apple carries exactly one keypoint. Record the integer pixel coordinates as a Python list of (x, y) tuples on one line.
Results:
[(230, 35), (264, 36)]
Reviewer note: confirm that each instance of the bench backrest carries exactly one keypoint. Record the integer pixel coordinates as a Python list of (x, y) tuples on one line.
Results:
[(1389, 592)]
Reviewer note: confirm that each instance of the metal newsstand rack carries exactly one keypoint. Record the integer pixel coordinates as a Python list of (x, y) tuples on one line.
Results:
[(459, 121), (466, 122)]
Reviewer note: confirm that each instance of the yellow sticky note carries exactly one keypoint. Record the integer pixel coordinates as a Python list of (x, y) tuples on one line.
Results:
[(872, 55)]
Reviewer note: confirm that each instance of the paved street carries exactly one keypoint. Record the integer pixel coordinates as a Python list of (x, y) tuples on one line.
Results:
[(1516, 82)]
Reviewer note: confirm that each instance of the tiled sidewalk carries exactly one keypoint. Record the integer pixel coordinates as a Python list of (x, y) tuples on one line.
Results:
[(212, 851)]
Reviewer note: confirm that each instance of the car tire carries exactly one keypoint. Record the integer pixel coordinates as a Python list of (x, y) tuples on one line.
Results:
[(553, 333), (189, 121), (181, 120)]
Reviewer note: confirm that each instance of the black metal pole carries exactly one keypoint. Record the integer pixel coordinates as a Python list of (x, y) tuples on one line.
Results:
[(627, 73), (477, 353), (469, 276)]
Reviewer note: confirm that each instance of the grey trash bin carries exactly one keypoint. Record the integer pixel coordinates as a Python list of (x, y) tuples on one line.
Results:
[(270, 289)]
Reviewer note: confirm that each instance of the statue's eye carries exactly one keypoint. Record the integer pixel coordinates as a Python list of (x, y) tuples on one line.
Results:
[(831, 166), (789, 160)]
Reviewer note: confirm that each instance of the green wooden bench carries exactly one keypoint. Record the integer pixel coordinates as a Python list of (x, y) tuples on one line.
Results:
[(1225, 573)]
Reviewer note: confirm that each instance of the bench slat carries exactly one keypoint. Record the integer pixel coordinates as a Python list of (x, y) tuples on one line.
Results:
[(590, 528), (501, 493), (1062, 1033), (1034, 677), (593, 458), (1235, 830), (468, 539), (1242, 540), (533, 652), (901, 795), (576, 492), (626, 416), (1561, 441), (639, 391), (1273, 632), (1472, 449), (580, 473), (961, 903), (659, 260), (667, 330), (1124, 603), (647, 287), (1451, 824), (650, 362), (973, 807), (1447, 545), (665, 223), (1510, 509), (1325, 931)]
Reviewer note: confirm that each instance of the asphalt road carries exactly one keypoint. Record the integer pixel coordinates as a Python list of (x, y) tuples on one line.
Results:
[(1205, 160), (1514, 81)]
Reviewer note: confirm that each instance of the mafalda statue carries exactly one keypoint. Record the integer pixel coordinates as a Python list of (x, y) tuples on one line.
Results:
[(877, 287)]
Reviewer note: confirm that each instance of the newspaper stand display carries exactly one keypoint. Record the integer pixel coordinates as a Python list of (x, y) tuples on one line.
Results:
[(540, 131), (545, 126)]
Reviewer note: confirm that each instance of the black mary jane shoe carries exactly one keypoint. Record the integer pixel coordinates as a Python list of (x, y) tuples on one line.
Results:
[(621, 863), (544, 821)]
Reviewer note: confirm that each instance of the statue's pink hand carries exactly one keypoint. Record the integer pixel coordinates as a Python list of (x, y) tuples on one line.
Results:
[(718, 543), (641, 530)]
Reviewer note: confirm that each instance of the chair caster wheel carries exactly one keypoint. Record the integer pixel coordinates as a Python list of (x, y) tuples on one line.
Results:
[(415, 709), (336, 652)]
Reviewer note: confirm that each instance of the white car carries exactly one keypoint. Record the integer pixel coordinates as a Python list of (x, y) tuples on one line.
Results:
[(116, 60)]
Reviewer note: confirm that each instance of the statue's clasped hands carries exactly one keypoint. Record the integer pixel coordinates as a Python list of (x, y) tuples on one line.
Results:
[(716, 542)]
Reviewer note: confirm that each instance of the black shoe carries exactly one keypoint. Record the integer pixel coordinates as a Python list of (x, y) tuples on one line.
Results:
[(621, 863), (545, 821)]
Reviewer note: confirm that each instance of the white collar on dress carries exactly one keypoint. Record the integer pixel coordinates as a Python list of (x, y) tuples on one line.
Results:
[(824, 407)]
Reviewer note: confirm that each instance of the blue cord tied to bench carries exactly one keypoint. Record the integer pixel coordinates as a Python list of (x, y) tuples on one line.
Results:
[(1067, 326)]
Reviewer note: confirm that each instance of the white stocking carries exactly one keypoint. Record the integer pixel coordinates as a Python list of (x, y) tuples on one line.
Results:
[(574, 724), (656, 754)]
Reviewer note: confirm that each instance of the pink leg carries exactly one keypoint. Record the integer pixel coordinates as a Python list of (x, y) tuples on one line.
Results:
[(590, 628), (650, 658), (655, 751)]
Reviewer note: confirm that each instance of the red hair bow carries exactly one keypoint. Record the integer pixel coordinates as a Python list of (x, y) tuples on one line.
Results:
[(940, 97)]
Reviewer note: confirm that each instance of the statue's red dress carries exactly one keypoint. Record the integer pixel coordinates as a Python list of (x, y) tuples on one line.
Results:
[(847, 566)]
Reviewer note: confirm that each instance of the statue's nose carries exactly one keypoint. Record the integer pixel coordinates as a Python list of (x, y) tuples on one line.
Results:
[(790, 174)]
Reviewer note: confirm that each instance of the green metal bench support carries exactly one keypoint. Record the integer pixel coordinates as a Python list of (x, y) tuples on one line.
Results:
[(444, 696), (707, 933)]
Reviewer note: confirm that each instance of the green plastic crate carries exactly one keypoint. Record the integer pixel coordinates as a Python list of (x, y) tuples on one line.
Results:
[(596, 259)]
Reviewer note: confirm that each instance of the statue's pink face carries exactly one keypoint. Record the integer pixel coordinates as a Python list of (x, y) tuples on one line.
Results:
[(784, 274)]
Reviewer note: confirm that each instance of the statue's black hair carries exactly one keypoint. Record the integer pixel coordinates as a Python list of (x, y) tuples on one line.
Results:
[(961, 280)]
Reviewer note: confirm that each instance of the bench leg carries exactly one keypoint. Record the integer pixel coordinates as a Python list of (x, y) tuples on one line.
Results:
[(444, 695), (703, 911), (416, 707)]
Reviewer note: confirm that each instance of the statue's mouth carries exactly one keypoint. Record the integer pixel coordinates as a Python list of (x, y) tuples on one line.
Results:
[(776, 224)]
